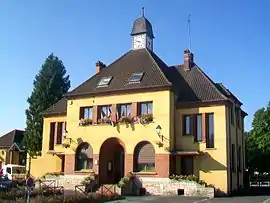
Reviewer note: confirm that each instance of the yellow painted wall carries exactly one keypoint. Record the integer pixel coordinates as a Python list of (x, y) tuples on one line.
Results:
[(44, 164), (46, 131), (97, 134), (52, 162), (211, 167), (9, 157), (237, 138), (3, 155)]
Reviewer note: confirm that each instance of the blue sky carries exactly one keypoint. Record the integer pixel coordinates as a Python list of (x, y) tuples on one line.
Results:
[(230, 41)]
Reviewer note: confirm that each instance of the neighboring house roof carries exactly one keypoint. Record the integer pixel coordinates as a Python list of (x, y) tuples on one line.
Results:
[(191, 85), (15, 136)]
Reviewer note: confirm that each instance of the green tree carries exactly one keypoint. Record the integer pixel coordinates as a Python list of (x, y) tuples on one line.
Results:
[(50, 84), (258, 141)]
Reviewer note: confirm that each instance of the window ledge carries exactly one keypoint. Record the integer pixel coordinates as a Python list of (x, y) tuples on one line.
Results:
[(199, 142), (144, 173), (211, 148), (118, 123), (85, 171)]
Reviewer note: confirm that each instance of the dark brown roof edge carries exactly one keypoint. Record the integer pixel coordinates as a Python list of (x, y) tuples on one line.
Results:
[(211, 82), (120, 91), (208, 103), (202, 103), (96, 74), (159, 68), (54, 114), (51, 107), (229, 92), (214, 84)]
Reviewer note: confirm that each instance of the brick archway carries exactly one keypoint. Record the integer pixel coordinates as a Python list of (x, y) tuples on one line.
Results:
[(111, 161)]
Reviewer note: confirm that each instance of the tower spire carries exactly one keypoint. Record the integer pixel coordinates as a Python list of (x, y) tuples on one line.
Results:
[(142, 11)]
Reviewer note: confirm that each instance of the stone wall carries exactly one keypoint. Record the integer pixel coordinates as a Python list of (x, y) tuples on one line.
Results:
[(153, 186), (68, 181), (166, 186)]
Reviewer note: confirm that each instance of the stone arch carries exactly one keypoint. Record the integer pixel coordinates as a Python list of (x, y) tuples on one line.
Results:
[(111, 161), (84, 157), (144, 157)]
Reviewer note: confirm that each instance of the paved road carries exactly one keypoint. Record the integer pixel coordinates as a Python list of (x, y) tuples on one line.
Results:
[(180, 199), (248, 199)]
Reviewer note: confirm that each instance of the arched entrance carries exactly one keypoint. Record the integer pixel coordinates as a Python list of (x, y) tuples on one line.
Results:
[(111, 161)]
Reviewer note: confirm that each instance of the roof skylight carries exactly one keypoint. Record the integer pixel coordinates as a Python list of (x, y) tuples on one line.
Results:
[(135, 77), (104, 81)]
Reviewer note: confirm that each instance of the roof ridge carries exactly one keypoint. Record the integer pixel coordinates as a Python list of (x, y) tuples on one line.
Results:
[(148, 51), (97, 73), (211, 82)]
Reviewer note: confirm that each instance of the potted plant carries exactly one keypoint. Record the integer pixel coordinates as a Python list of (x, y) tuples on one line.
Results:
[(86, 121), (126, 119), (146, 118), (104, 120), (159, 144)]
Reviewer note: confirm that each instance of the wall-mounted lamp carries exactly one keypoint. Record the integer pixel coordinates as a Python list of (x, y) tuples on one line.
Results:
[(158, 130), (66, 137), (65, 133)]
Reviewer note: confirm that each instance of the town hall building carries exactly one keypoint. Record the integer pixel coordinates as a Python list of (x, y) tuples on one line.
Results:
[(142, 116)]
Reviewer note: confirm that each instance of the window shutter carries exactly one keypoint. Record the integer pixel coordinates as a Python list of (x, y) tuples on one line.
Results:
[(146, 154), (114, 112), (55, 133), (203, 127), (139, 109), (134, 109), (81, 113), (183, 124), (193, 126), (59, 133), (95, 114)]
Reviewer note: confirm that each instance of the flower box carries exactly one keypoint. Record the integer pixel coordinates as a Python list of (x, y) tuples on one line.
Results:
[(86, 121), (126, 120), (146, 118), (106, 120)]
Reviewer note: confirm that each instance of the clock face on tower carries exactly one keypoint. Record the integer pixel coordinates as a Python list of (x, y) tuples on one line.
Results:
[(139, 41)]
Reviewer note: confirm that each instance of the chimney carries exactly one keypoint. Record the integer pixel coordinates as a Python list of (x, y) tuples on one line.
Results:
[(188, 59), (99, 66)]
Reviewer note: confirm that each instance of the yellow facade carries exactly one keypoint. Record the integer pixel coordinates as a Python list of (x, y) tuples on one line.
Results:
[(9, 157), (129, 135), (97, 134), (213, 166)]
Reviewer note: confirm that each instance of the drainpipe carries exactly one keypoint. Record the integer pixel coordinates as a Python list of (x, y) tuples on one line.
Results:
[(236, 133), (230, 153)]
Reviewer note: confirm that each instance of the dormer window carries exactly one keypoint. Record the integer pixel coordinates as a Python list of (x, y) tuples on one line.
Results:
[(104, 81), (135, 77)]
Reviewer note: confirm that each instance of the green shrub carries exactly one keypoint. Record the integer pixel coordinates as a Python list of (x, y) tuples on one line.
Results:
[(190, 178)]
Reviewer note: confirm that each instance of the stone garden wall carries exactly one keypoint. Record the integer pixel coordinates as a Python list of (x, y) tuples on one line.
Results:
[(166, 186)]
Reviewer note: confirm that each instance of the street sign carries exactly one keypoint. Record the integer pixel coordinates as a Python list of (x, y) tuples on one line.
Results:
[(29, 182)]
